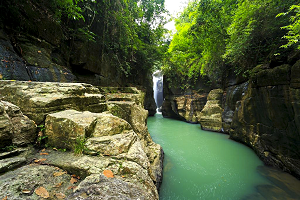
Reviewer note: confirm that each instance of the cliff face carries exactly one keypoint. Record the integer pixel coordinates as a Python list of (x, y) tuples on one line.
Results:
[(267, 116), (35, 46), (184, 104), (262, 112)]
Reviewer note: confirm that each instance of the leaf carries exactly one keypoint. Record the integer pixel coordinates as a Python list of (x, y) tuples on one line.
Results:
[(58, 173), (26, 191), (5, 198), (60, 195), (43, 159), (42, 192), (58, 185), (44, 153), (108, 173), (43, 150), (73, 180), (75, 176), (55, 149), (72, 187)]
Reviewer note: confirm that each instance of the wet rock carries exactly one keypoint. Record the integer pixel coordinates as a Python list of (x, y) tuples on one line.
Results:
[(184, 107), (282, 185), (155, 155), (37, 99), (211, 115), (232, 95), (11, 65), (267, 116), (15, 128)]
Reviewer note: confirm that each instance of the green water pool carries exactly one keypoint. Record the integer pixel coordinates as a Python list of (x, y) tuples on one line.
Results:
[(206, 165)]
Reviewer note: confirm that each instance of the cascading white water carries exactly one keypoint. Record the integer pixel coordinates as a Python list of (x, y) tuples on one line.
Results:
[(158, 89)]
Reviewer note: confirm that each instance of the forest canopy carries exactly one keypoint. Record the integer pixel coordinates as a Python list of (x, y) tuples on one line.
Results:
[(215, 35)]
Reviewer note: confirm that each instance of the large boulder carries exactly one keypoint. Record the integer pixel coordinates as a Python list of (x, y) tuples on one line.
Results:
[(211, 115), (37, 99), (91, 169), (15, 128), (112, 145)]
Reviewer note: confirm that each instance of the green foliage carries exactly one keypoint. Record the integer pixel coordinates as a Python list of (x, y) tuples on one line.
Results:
[(70, 8), (213, 35), (79, 146), (255, 33), (200, 41), (8, 148), (293, 34)]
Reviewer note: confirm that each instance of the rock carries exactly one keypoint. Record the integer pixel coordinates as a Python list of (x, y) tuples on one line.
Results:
[(276, 76), (155, 155), (14, 158), (232, 95), (134, 114), (11, 163), (295, 79), (66, 128), (282, 185), (93, 166), (11, 65), (211, 115), (266, 118), (37, 99), (23, 182), (184, 107), (15, 128), (101, 187), (106, 124), (111, 145)]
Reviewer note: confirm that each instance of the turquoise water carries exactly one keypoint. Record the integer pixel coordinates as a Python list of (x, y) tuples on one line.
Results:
[(203, 165)]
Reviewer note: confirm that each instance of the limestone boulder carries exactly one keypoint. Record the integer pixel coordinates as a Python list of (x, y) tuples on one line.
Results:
[(107, 124), (66, 128), (211, 115), (91, 167), (37, 99), (134, 114), (15, 128), (111, 145), (100, 187)]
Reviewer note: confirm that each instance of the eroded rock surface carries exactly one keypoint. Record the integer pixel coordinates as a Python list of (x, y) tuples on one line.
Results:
[(266, 116), (15, 128), (105, 127), (211, 115), (37, 99)]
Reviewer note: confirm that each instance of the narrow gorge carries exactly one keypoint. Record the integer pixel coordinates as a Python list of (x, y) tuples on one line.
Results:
[(100, 100)]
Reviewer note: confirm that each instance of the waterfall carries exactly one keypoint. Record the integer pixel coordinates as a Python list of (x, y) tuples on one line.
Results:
[(158, 89)]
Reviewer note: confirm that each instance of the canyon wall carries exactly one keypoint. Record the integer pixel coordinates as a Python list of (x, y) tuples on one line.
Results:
[(262, 112)]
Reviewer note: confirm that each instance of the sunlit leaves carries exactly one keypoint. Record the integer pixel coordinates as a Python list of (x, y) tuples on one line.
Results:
[(293, 34)]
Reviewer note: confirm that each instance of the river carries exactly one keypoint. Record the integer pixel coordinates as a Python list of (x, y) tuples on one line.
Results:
[(206, 165)]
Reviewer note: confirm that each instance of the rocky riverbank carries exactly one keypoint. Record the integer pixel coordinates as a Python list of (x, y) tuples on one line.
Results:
[(262, 112), (97, 142)]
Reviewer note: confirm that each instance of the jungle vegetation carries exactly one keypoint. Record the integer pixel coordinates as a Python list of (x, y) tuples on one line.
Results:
[(216, 35)]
